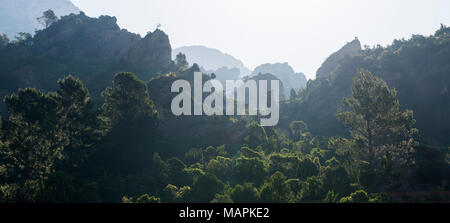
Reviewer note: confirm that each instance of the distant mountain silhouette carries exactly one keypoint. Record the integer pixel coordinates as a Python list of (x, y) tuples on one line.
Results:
[(20, 15), (268, 77), (211, 59), (285, 73), (224, 73)]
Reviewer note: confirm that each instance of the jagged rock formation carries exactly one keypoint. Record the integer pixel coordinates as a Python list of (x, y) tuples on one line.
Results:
[(211, 59), (20, 15), (151, 52), (350, 49), (286, 74)]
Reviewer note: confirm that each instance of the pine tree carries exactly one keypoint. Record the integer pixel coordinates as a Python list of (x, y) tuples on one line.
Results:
[(374, 115)]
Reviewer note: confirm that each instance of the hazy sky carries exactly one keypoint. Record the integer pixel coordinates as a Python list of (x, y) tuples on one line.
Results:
[(302, 33)]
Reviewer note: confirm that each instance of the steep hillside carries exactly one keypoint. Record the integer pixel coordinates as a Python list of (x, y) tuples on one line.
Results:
[(417, 68), (93, 49), (334, 60)]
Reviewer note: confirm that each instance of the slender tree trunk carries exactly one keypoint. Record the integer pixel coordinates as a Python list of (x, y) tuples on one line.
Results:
[(370, 141)]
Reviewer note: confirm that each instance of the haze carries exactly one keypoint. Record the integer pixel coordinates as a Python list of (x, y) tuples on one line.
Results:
[(302, 33)]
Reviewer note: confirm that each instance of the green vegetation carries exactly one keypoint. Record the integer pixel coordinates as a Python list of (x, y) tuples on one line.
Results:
[(55, 147), (416, 68), (358, 143)]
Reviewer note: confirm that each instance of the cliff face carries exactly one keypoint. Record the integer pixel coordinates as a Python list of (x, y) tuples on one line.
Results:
[(150, 53), (286, 74), (332, 62)]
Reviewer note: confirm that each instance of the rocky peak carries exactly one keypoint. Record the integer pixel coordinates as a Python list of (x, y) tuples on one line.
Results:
[(332, 62), (152, 51)]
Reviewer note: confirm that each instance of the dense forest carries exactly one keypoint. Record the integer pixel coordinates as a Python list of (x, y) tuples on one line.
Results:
[(86, 118)]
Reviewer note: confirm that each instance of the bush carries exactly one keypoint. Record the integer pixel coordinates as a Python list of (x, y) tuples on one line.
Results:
[(145, 198), (358, 196)]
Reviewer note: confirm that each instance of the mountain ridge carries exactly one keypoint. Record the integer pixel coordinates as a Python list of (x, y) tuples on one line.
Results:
[(92, 49), (286, 74), (211, 58)]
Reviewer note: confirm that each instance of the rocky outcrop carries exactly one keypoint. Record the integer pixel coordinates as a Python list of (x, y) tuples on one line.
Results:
[(332, 62), (286, 74), (153, 52)]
